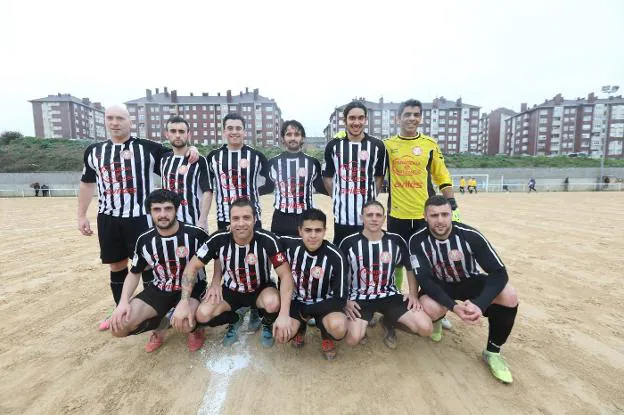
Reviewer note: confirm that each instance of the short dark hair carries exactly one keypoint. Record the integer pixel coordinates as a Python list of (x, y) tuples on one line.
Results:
[(241, 203), (409, 103), (233, 116), (313, 214), (352, 105), (292, 123), (175, 119), (436, 200), (373, 202), (162, 196)]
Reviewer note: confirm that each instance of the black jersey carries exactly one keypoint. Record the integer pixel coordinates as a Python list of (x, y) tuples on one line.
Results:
[(245, 267), (123, 174), (354, 166), (373, 263), (294, 176), (317, 275), (235, 174), (456, 258), (168, 255), (463, 255), (188, 180)]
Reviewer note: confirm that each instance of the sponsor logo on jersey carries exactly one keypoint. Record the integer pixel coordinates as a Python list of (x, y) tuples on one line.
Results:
[(182, 169), (182, 251), (455, 255), (417, 151), (364, 155), (302, 172), (126, 154), (244, 163), (385, 257), (316, 272), (251, 259)]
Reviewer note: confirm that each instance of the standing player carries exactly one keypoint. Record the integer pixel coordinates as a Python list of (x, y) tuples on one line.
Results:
[(354, 171), (320, 273), (532, 185), (246, 256), (373, 256), (234, 172), (446, 257), (190, 181), (294, 174), (416, 164), (121, 168), (166, 249), (462, 185)]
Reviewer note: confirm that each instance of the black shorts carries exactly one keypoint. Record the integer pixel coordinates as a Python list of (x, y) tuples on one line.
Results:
[(464, 290), (301, 312), (285, 224), (405, 227), (392, 307), (222, 226), (342, 231), (163, 301), (118, 236), (238, 300)]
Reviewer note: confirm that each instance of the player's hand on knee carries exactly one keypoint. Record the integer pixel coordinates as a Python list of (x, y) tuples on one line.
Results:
[(281, 329), (183, 318), (120, 316), (412, 302), (84, 226), (352, 310), (473, 311), (214, 295)]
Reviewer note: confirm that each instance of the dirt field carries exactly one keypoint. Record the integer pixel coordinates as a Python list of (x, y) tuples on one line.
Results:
[(564, 253)]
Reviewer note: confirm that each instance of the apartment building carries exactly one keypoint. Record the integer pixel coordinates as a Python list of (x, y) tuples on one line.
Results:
[(65, 116)]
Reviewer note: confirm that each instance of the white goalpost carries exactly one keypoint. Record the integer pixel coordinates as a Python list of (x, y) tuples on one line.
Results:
[(483, 181)]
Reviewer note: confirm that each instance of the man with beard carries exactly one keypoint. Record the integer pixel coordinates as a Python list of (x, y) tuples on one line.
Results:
[(190, 181), (166, 249), (294, 175), (447, 258)]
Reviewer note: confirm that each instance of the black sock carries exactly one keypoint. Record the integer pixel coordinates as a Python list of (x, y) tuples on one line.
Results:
[(227, 317), (501, 321), (268, 318), (117, 279)]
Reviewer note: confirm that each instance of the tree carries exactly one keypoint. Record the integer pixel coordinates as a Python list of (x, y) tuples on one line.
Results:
[(8, 136)]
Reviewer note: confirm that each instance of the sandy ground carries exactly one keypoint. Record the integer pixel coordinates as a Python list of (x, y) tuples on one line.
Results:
[(564, 252)]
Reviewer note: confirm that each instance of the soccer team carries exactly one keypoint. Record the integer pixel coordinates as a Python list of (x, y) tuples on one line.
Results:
[(338, 286)]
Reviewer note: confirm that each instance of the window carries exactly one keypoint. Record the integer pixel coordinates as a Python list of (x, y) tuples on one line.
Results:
[(195, 133), (268, 109), (205, 125), (268, 117), (194, 108), (233, 108), (442, 121), (203, 108)]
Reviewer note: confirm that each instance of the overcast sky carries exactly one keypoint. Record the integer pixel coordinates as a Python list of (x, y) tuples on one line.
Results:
[(308, 56)]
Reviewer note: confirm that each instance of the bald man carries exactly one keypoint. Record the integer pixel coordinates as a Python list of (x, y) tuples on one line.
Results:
[(121, 169)]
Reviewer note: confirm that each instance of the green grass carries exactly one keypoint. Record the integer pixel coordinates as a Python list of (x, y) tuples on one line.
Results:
[(28, 154)]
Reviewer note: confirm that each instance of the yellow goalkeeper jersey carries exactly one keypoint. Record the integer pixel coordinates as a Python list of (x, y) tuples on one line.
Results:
[(416, 164)]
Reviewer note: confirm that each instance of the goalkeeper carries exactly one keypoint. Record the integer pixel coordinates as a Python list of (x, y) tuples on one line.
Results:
[(416, 163)]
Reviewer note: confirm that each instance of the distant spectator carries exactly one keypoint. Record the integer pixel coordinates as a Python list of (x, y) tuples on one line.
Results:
[(606, 180), (36, 186), (532, 185), (506, 188), (566, 184), (45, 190)]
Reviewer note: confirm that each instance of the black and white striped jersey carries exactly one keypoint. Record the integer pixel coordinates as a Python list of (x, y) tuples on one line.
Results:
[(294, 176), (354, 166), (123, 174), (372, 264), (236, 174), (167, 256), (317, 275), (190, 181), (245, 267), (456, 258)]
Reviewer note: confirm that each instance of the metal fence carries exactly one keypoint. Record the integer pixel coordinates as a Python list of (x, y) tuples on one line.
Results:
[(30, 192)]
